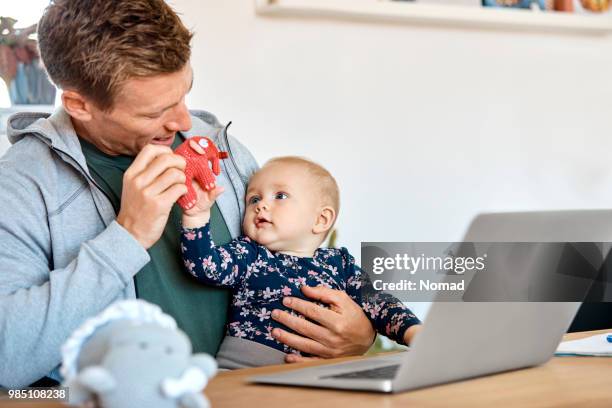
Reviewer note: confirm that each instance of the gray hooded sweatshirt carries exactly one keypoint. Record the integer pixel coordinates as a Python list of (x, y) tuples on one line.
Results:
[(63, 257)]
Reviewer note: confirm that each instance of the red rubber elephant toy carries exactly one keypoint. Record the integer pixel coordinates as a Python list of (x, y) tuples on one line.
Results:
[(198, 167)]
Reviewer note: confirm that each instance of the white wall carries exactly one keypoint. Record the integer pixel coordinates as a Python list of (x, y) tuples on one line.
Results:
[(423, 127)]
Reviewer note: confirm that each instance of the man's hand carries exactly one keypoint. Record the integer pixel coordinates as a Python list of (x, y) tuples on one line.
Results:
[(343, 330), (151, 185)]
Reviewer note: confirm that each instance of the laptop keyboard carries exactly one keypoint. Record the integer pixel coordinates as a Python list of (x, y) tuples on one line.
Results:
[(380, 373)]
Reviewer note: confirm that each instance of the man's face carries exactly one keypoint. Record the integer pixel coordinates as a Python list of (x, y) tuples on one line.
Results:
[(146, 110)]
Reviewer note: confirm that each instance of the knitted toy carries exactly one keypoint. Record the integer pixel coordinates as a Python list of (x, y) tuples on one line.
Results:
[(132, 355), (198, 167)]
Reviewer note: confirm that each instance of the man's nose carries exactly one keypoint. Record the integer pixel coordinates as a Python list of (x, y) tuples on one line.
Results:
[(180, 120)]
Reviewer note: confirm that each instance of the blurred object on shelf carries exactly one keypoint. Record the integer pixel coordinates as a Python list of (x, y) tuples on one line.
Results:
[(564, 5), (20, 66), (469, 3), (592, 6), (523, 4)]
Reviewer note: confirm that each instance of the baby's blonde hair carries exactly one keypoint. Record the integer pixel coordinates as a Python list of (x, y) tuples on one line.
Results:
[(325, 182)]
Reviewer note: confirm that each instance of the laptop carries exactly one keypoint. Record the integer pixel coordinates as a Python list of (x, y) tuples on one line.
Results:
[(462, 340)]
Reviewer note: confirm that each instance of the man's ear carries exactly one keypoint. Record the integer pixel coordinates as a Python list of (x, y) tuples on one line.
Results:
[(77, 105), (325, 220)]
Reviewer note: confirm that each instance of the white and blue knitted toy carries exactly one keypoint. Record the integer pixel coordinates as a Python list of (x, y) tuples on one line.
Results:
[(133, 355)]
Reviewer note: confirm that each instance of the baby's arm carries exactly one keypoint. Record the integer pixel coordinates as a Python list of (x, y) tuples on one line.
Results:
[(221, 266), (388, 315), (199, 215)]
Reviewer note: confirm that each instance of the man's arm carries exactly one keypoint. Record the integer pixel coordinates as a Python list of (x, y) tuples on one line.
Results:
[(40, 305)]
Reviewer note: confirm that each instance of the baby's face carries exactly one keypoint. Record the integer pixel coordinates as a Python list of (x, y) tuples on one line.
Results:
[(282, 206)]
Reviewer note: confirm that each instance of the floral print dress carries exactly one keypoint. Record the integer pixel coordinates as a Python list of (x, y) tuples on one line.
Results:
[(260, 279)]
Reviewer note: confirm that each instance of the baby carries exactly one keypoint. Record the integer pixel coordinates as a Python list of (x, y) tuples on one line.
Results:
[(291, 205)]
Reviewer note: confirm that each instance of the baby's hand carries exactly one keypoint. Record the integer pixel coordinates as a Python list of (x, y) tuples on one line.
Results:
[(199, 215), (411, 333)]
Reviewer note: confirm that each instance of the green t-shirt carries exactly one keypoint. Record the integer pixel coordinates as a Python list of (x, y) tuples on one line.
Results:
[(200, 311)]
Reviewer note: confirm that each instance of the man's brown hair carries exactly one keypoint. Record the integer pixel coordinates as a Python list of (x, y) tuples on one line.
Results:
[(94, 46)]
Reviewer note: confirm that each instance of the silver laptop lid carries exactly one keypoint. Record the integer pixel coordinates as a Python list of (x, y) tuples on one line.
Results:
[(542, 226), (468, 339)]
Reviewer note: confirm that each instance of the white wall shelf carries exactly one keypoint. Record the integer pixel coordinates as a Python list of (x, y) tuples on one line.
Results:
[(440, 15)]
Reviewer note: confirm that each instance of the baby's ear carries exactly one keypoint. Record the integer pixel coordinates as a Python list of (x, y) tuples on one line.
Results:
[(325, 220)]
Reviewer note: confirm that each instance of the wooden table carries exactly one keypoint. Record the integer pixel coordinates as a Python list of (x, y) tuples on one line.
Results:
[(562, 382)]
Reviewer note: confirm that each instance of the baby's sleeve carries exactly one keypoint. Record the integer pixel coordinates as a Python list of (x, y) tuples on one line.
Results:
[(388, 315), (221, 266)]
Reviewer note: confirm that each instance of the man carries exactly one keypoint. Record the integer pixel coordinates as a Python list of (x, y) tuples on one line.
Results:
[(87, 195)]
